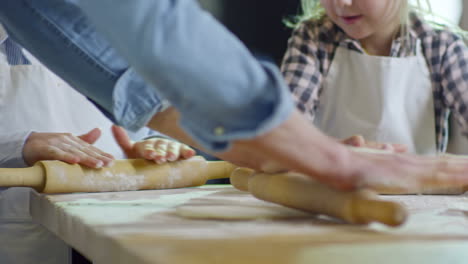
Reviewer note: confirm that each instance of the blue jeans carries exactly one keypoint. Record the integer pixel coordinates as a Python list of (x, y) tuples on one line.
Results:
[(59, 34)]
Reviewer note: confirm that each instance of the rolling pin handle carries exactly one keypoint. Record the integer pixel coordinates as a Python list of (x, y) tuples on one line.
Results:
[(219, 169), (368, 210), (33, 177), (240, 178)]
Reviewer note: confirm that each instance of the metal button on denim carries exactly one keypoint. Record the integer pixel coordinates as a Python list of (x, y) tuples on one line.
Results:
[(218, 131)]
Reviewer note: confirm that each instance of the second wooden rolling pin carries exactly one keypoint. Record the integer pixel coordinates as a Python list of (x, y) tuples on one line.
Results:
[(301, 192), (124, 175)]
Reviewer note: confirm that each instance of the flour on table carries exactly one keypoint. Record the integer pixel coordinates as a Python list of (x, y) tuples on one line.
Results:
[(427, 252)]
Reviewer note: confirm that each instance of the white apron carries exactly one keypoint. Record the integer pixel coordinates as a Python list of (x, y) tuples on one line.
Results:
[(385, 99), (32, 98)]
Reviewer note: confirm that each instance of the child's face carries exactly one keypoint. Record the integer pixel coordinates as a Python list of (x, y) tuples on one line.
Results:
[(363, 18)]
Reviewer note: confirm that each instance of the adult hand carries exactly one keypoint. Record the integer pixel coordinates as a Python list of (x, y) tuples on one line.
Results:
[(298, 146), (66, 147), (405, 173), (306, 150), (159, 150), (360, 142)]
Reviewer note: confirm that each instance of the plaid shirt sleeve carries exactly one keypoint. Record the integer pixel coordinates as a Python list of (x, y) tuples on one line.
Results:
[(301, 70), (454, 78)]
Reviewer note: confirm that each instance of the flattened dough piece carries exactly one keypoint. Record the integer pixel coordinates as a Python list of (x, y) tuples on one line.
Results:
[(238, 212)]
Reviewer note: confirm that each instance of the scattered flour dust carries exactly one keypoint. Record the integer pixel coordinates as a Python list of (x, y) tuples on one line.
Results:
[(175, 175), (428, 252), (111, 181), (107, 211), (106, 179), (192, 169), (100, 181)]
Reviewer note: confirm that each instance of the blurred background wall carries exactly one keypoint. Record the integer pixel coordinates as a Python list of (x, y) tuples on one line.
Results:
[(258, 23)]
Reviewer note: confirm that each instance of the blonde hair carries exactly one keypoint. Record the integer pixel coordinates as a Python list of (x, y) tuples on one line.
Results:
[(312, 10)]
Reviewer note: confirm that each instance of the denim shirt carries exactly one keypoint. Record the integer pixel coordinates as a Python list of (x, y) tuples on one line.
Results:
[(172, 51), (222, 92)]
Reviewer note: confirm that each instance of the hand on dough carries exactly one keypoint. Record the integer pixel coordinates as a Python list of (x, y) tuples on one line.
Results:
[(359, 141), (395, 173), (159, 150), (67, 148)]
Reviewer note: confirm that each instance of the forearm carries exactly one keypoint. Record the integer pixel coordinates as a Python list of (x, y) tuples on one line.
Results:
[(298, 146), (294, 145), (167, 123)]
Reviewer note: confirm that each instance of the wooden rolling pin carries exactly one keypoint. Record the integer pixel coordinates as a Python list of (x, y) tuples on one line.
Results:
[(303, 193), (124, 175)]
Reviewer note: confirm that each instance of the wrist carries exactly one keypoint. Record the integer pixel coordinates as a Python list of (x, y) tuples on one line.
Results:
[(25, 149), (307, 150)]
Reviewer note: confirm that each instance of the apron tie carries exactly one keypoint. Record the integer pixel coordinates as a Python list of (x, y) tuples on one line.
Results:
[(15, 55)]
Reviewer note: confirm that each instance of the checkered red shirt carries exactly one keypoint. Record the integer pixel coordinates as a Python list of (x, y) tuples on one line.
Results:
[(312, 47)]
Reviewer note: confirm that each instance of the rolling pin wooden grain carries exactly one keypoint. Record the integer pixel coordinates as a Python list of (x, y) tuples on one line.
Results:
[(301, 192), (124, 175)]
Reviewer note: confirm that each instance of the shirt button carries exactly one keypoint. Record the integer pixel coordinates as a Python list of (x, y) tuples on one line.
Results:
[(219, 131)]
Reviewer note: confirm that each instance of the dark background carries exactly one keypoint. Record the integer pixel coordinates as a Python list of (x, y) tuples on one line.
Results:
[(258, 23)]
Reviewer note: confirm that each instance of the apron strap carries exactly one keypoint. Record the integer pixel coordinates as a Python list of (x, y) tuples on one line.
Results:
[(14, 53)]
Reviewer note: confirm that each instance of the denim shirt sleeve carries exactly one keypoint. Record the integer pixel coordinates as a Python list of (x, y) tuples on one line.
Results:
[(222, 92)]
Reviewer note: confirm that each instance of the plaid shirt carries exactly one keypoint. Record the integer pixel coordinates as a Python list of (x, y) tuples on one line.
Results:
[(312, 47)]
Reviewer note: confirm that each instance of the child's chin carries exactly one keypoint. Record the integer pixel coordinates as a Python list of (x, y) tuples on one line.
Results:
[(354, 34)]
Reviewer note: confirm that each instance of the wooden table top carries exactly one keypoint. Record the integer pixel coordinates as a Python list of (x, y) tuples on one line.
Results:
[(143, 227)]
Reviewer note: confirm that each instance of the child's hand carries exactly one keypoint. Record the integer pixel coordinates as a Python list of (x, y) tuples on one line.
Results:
[(159, 150), (359, 141), (66, 147)]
